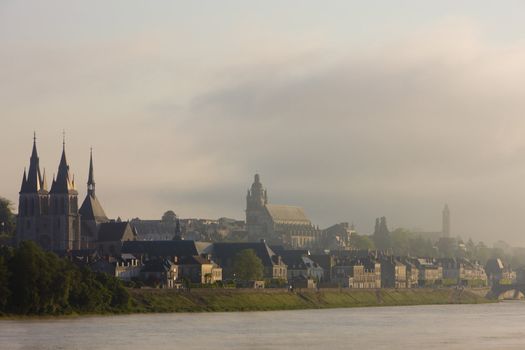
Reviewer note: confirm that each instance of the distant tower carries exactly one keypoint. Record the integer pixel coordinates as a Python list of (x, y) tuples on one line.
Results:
[(257, 196), (446, 222), (33, 204), (91, 212), (256, 200), (63, 208)]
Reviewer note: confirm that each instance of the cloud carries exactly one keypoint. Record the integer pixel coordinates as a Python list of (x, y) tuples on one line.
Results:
[(395, 131), (393, 128)]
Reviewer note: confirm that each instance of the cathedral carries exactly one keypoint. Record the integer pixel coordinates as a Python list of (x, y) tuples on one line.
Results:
[(52, 217), (278, 224)]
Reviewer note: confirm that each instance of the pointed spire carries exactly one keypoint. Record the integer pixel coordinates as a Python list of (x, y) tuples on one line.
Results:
[(44, 181), (63, 182), (34, 152), (91, 208), (24, 180), (91, 176), (33, 182)]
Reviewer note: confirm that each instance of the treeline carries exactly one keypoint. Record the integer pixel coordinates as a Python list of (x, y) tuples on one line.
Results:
[(35, 282), (7, 218), (402, 242)]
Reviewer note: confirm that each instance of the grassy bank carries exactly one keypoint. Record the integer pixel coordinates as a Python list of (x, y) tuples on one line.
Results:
[(200, 300)]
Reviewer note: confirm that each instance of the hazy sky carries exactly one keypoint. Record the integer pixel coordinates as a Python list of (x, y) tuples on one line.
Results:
[(351, 109)]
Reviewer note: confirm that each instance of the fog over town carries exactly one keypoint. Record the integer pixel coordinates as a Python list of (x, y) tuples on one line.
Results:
[(348, 112)]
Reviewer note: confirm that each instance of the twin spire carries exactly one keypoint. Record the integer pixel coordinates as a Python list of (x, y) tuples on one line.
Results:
[(33, 181)]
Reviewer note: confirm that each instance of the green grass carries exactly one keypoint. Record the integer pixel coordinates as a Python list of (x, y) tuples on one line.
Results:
[(200, 300)]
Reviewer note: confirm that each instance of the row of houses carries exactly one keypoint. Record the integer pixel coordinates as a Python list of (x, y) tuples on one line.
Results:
[(375, 270), (169, 263)]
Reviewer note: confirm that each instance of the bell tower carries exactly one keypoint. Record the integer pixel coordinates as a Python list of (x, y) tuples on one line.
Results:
[(257, 196), (33, 204), (63, 208), (91, 212), (256, 201)]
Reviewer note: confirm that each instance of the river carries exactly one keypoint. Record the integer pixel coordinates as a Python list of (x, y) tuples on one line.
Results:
[(486, 326)]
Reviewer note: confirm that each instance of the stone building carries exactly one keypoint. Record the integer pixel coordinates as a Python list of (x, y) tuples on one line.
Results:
[(277, 224), (300, 264), (199, 269), (112, 235), (52, 217), (337, 237), (393, 273), (430, 272), (91, 212), (358, 273)]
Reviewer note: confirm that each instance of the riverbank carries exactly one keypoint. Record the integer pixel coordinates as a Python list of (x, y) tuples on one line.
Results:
[(205, 300)]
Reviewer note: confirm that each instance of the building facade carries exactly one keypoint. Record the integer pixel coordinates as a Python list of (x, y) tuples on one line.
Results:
[(277, 224), (52, 218)]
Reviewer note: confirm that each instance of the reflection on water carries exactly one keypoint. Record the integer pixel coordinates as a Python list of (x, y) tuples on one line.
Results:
[(492, 326)]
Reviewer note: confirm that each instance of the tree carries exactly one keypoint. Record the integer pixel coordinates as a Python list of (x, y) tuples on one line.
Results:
[(39, 281), (482, 252), (381, 235), (169, 217), (7, 218), (400, 239), (361, 242), (247, 266), (447, 247), (4, 280), (33, 281)]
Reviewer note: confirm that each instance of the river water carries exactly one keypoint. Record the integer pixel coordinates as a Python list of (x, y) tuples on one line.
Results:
[(487, 326)]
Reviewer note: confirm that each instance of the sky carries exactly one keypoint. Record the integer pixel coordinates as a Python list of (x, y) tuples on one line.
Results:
[(350, 109)]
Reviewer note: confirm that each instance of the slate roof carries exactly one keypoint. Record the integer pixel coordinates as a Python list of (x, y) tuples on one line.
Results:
[(225, 250), (165, 248), (194, 260), (494, 266), (157, 265), (113, 231), (285, 214), (157, 228), (293, 257), (92, 210)]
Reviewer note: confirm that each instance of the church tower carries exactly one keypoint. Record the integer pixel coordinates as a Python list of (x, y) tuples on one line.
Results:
[(91, 212), (446, 222), (33, 204), (63, 208), (257, 196), (256, 200)]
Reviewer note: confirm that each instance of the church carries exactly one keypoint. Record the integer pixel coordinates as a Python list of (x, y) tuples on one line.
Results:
[(52, 217), (278, 224)]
